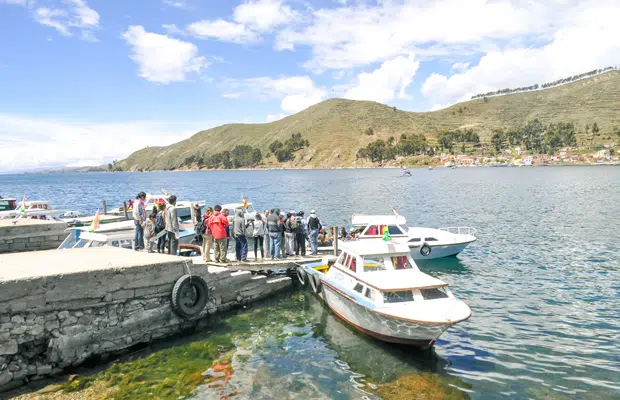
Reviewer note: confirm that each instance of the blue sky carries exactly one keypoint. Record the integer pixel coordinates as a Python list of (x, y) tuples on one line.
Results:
[(87, 81)]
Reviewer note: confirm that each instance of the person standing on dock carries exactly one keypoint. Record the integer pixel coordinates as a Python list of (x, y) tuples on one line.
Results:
[(314, 226), (226, 213), (290, 232), (150, 230), (274, 225), (218, 224), (161, 225), (172, 226), (241, 241), (258, 234), (139, 219), (207, 236), (266, 240), (302, 233)]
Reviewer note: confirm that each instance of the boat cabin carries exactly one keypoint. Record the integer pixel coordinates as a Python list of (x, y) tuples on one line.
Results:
[(383, 274), (372, 226), (7, 204)]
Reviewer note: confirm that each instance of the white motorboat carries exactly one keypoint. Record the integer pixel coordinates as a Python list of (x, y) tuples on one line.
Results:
[(37, 209), (250, 212), (425, 243), (119, 234), (183, 207), (376, 287)]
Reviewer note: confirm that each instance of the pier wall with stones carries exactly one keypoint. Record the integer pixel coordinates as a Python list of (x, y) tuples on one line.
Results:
[(30, 234), (70, 313)]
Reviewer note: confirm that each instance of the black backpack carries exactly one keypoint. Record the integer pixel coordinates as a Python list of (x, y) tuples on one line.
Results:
[(200, 227), (314, 224)]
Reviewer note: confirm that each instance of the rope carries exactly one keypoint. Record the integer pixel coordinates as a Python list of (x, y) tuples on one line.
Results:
[(189, 272)]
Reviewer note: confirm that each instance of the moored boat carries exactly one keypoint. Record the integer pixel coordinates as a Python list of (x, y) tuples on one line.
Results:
[(425, 243), (376, 287), (36, 209), (183, 206)]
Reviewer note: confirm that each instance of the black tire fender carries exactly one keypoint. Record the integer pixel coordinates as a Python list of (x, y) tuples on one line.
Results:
[(315, 283), (302, 276), (425, 249), (189, 296)]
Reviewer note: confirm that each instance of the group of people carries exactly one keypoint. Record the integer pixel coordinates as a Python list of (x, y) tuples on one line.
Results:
[(162, 218), (274, 233)]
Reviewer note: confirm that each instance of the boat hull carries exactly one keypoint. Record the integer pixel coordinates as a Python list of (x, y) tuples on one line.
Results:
[(380, 326), (437, 251)]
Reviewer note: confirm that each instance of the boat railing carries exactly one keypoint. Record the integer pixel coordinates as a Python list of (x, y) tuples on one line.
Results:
[(460, 230)]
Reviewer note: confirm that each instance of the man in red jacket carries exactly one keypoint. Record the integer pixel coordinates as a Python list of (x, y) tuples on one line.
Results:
[(218, 224)]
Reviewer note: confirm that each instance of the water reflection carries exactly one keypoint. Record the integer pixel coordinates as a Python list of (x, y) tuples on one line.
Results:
[(441, 266)]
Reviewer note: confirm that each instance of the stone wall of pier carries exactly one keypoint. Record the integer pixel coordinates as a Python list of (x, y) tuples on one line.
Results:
[(52, 322), (29, 235)]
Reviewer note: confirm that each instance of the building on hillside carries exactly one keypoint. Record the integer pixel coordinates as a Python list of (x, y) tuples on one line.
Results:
[(526, 160)]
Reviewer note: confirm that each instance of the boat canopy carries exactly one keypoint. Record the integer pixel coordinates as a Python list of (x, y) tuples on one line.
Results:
[(375, 247), (390, 281), (104, 238), (362, 220)]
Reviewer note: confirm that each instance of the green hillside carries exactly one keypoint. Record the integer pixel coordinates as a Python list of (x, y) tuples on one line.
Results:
[(335, 128)]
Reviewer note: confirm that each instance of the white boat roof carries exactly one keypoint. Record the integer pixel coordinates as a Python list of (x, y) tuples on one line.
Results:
[(232, 206), (106, 237), (359, 220), (374, 247), (407, 279)]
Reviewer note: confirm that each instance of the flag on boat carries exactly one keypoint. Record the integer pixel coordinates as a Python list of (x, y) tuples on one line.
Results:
[(386, 233), (95, 224), (165, 191), (245, 203)]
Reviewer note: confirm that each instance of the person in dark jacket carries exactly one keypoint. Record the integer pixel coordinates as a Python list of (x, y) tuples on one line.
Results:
[(314, 227), (302, 233), (274, 226), (238, 231)]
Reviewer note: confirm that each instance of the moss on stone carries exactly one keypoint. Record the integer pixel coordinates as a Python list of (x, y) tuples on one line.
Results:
[(425, 386)]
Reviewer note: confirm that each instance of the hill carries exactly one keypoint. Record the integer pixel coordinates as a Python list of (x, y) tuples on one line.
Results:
[(335, 128)]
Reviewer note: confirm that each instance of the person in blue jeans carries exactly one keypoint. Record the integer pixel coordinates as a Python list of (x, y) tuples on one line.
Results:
[(275, 228), (241, 241), (139, 219), (314, 226)]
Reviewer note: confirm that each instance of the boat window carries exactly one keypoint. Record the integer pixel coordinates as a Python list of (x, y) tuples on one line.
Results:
[(430, 239), (432, 294), (394, 230), (342, 259), (415, 240), (81, 244), (398, 296), (373, 230), (96, 244), (359, 288), (372, 264), (370, 294), (401, 262)]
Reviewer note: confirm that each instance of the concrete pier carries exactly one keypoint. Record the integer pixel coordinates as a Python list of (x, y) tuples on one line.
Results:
[(60, 307), (30, 234)]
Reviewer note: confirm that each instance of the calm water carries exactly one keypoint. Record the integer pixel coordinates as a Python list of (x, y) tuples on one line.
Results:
[(543, 279)]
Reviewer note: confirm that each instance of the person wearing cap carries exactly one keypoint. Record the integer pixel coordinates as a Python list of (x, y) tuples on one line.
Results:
[(314, 226)]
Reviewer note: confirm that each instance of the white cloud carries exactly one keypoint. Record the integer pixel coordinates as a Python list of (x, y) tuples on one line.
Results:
[(233, 95), (385, 83), (249, 21), (75, 15), (181, 4), (589, 41), (295, 92), (162, 59), (275, 117), (30, 142), (222, 30), (460, 66), (172, 29), (15, 2)]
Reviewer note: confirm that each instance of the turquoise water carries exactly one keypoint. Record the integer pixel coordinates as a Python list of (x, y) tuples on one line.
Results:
[(543, 279)]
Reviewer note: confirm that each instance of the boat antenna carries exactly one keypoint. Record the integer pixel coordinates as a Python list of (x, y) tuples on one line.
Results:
[(393, 209)]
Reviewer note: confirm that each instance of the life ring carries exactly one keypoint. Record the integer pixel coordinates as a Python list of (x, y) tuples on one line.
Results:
[(189, 296), (425, 249), (315, 283), (302, 276)]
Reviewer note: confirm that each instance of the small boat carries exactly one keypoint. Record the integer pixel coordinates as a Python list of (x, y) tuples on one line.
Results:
[(7, 204), (36, 209), (425, 243), (183, 207), (71, 215), (250, 212), (376, 287), (118, 234)]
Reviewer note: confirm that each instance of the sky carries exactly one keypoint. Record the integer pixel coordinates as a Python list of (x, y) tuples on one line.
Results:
[(85, 82)]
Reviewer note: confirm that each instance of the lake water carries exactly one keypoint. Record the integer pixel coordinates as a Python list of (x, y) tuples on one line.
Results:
[(543, 280)]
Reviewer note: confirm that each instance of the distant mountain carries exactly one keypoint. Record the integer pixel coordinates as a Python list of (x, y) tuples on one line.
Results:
[(336, 128)]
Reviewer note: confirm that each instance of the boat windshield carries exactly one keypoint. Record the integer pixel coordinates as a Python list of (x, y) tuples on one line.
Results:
[(435, 293), (401, 262), (400, 296), (372, 264)]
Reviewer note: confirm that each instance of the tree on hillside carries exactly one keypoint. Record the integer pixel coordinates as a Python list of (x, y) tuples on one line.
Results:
[(595, 129), (369, 131), (497, 139)]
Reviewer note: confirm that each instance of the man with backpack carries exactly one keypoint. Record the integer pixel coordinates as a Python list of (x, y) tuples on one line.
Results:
[(300, 238), (291, 228), (314, 226)]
